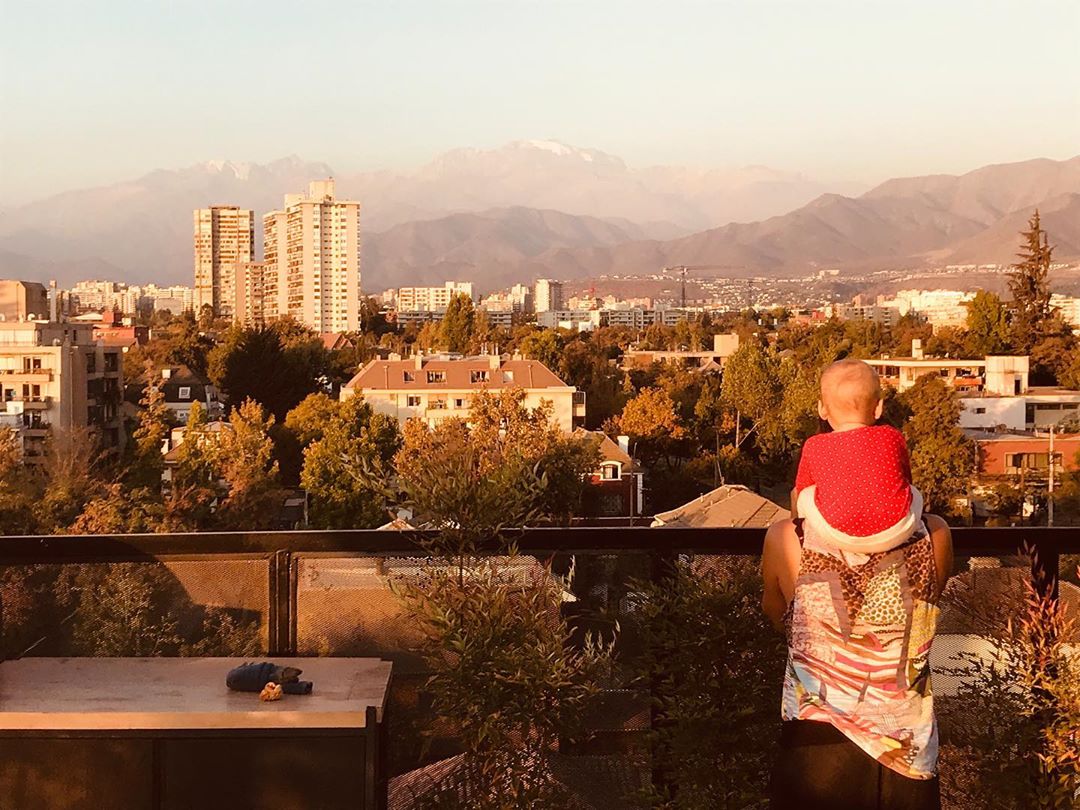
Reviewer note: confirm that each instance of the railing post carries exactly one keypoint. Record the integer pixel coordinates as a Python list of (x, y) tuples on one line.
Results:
[(662, 574), (279, 604)]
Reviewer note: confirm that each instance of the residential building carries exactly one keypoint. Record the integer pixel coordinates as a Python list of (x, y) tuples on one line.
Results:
[(1069, 307), (861, 310), (723, 347), (1036, 408), (23, 301), (937, 307), (1026, 456), (432, 299), (248, 304), (105, 296), (727, 505), (579, 320), (223, 235), (437, 387), (312, 260), (180, 387), (1002, 375), (616, 488), (120, 333), (547, 295), (55, 376)]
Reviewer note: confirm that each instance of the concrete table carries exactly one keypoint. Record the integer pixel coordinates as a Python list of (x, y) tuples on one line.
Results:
[(152, 733)]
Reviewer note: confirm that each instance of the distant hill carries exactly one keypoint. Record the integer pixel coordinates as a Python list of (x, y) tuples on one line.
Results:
[(946, 219), (542, 208), (143, 227)]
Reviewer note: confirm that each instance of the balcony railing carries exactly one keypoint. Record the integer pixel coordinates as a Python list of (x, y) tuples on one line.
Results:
[(327, 593)]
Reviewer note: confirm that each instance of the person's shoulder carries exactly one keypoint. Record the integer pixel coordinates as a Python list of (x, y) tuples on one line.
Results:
[(889, 433), (815, 441)]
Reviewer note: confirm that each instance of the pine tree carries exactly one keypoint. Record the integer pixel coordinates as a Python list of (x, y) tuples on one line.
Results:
[(1029, 287)]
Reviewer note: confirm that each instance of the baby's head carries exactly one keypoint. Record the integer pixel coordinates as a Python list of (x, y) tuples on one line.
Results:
[(850, 394)]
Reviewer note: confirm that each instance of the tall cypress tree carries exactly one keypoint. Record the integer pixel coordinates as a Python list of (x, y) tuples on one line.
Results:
[(1029, 287)]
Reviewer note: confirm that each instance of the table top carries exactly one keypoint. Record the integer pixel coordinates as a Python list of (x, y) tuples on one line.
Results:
[(110, 694)]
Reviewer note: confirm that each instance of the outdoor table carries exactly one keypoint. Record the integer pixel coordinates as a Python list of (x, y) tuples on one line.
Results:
[(152, 733)]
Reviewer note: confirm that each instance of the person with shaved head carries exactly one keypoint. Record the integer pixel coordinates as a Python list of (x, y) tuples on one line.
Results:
[(854, 578)]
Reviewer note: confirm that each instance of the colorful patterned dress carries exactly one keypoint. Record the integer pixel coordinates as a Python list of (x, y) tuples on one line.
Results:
[(859, 631)]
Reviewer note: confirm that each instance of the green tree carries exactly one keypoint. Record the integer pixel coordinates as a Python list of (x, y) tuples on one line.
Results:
[(752, 387), (545, 345), (277, 366), (19, 491), (346, 462), (987, 325), (458, 324), (941, 455), (1029, 286)]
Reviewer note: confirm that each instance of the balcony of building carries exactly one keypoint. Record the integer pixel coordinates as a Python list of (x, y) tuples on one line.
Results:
[(316, 598)]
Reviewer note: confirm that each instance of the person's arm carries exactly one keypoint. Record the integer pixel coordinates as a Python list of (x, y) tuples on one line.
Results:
[(779, 564), (941, 537), (804, 477)]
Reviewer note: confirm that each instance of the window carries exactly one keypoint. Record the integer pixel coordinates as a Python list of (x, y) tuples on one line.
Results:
[(412, 401), (184, 392), (459, 403), (479, 376), (437, 404), (508, 376), (610, 471), (436, 376), (980, 410), (410, 377)]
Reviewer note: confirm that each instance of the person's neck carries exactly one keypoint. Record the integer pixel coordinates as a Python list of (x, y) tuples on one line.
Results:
[(841, 427)]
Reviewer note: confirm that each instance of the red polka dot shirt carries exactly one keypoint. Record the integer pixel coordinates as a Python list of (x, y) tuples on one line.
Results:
[(863, 478)]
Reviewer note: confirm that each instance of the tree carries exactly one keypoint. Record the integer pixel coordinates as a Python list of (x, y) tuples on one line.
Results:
[(752, 388), (653, 425), (506, 454), (458, 323), (154, 423), (544, 345), (308, 420), (987, 325), (277, 367), (18, 490), (245, 462), (69, 475), (941, 455), (1029, 287), (346, 462)]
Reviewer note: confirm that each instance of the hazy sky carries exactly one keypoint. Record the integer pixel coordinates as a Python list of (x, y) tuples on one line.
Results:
[(97, 92)]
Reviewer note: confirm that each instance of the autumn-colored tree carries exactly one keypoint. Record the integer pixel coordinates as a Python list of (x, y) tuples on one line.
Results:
[(69, 477), (545, 345), (309, 419), (941, 455), (154, 423), (245, 462), (656, 432)]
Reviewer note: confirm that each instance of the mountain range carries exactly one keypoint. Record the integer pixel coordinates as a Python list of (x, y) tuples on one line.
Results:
[(542, 208)]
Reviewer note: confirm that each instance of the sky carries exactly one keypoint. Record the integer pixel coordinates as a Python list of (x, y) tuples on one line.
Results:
[(99, 92)]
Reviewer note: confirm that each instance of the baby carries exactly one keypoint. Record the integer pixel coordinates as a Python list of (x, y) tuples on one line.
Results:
[(854, 484)]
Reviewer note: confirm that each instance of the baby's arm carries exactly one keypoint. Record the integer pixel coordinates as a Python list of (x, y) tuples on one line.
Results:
[(803, 478)]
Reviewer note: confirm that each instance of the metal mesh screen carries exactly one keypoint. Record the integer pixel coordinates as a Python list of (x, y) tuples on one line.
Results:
[(184, 607)]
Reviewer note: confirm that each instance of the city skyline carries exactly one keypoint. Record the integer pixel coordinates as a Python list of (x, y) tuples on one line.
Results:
[(840, 92)]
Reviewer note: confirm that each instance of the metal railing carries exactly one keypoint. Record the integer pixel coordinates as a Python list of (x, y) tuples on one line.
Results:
[(312, 593)]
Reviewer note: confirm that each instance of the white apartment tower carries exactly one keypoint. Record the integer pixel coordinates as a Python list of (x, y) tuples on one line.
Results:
[(548, 295), (312, 260), (224, 235)]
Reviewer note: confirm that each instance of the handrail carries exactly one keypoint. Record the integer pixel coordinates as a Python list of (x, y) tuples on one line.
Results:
[(281, 550), (973, 541)]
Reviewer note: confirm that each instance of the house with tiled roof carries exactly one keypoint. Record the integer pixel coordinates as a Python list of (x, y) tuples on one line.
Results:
[(727, 505), (441, 386), (616, 487)]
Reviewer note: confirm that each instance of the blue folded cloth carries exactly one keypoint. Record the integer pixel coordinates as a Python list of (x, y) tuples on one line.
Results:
[(253, 677)]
